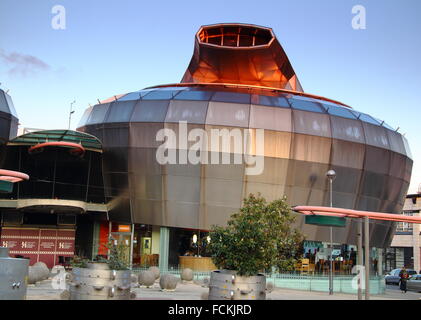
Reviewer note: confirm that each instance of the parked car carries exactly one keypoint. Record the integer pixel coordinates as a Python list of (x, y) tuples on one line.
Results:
[(414, 283), (393, 276)]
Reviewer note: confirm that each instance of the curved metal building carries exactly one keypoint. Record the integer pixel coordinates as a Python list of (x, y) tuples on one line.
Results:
[(240, 78)]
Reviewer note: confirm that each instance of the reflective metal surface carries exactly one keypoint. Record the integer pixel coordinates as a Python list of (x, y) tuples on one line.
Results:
[(305, 136)]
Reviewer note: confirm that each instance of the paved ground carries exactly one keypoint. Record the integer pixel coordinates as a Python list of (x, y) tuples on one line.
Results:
[(195, 291)]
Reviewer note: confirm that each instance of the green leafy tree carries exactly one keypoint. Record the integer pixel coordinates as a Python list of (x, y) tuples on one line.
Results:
[(257, 238)]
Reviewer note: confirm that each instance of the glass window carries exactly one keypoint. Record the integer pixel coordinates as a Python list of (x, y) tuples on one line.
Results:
[(98, 113), (131, 96), (190, 111), (194, 95), (365, 117), (407, 149), (311, 148), (347, 129), (307, 105), (120, 111), (11, 105), (3, 102), (311, 123), (347, 154), (339, 111), (228, 96), (270, 101), (150, 111), (160, 94), (278, 119), (229, 114), (85, 117)]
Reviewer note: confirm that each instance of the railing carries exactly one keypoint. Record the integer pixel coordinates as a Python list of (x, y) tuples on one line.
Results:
[(304, 282)]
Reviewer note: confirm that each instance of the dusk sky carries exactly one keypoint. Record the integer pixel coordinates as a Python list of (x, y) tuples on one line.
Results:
[(113, 47)]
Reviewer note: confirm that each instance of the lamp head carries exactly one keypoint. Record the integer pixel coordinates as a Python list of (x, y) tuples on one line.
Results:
[(331, 174)]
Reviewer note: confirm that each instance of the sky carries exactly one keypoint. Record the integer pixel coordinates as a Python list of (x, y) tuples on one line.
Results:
[(113, 47)]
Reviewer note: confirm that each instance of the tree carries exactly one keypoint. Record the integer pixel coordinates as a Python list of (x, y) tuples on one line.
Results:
[(257, 238)]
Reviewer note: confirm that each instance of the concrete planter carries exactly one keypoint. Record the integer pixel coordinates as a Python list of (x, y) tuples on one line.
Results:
[(98, 282), (13, 275), (227, 285)]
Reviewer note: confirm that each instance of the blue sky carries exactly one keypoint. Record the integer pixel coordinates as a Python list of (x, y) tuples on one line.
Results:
[(112, 47)]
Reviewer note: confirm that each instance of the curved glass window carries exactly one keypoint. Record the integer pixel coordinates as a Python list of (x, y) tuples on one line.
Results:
[(150, 111), (339, 111), (365, 117), (270, 101), (120, 111), (162, 94), (85, 117), (3, 103), (131, 96), (347, 129), (311, 123), (194, 95), (376, 136), (304, 104), (228, 114), (11, 105), (264, 117), (190, 111), (228, 96), (98, 113)]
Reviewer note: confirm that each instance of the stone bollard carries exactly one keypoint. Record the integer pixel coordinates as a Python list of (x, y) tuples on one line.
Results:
[(146, 278), (187, 274), (45, 272), (168, 282), (35, 274), (155, 271)]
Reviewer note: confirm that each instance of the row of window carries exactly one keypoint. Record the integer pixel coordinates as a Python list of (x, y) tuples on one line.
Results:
[(283, 101), (245, 116)]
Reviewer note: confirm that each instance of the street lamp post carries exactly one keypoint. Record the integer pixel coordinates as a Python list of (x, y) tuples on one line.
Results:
[(71, 111), (331, 175)]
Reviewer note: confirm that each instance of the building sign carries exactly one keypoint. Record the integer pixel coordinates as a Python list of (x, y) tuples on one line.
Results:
[(45, 245), (124, 228)]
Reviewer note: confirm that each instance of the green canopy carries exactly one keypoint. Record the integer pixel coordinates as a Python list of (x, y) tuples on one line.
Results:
[(88, 141)]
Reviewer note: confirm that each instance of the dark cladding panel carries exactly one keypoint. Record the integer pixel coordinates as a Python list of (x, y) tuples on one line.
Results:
[(120, 111), (229, 114), (117, 184), (377, 160), (368, 204), (147, 211), (189, 111), (408, 170), (120, 211), (115, 136), (146, 187), (269, 191), (11, 105), (115, 159), (347, 180), (182, 189), (347, 129), (98, 113), (143, 135), (307, 174), (181, 214), (275, 172), (223, 192), (348, 154), (143, 161), (311, 148), (373, 185), (311, 123), (150, 111), (270, 118)]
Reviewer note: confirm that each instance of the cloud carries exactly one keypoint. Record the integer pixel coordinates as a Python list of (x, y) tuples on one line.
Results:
[(22, 64)]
